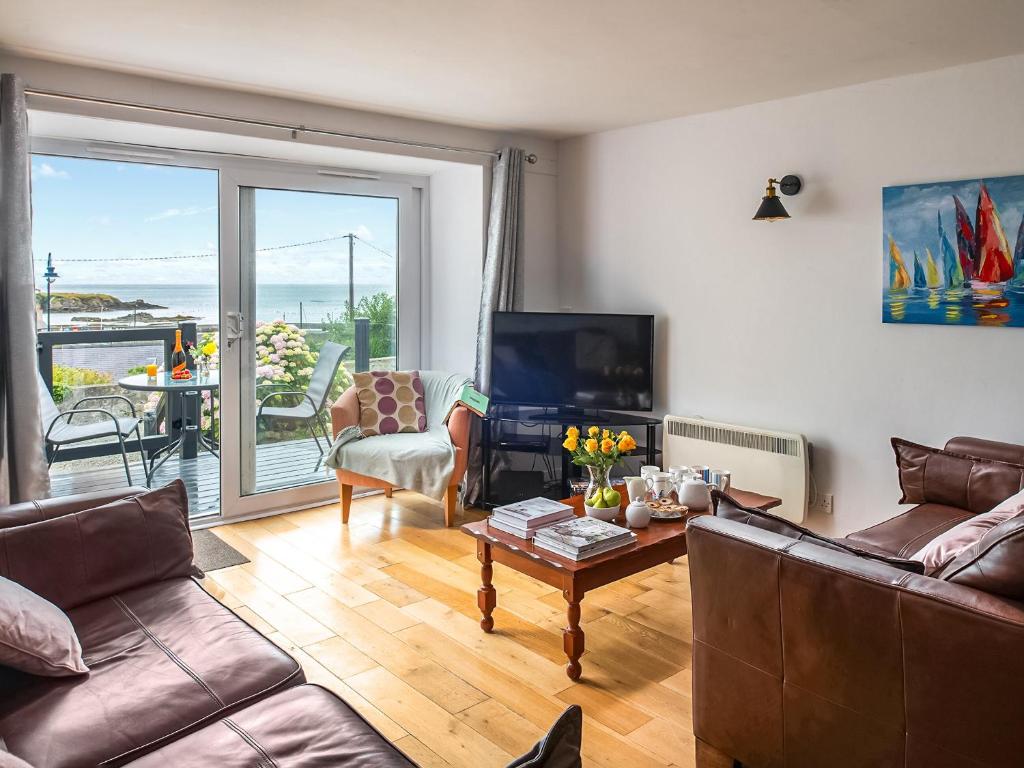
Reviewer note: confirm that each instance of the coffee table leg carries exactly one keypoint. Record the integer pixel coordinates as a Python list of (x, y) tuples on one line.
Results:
[(572, 635), (486, 597)]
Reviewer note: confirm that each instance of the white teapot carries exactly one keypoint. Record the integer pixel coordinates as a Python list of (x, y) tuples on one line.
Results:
[(694, 493)]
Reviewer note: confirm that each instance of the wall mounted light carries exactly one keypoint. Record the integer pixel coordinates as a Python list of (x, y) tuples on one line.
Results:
[(771, 208)]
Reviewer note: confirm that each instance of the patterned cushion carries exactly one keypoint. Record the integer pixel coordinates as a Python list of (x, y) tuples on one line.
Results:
[(390, 402)]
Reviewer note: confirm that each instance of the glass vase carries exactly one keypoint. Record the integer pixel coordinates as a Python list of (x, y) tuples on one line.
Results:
[(599, 480)]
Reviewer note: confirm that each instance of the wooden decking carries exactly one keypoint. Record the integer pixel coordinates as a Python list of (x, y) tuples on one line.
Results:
[(383, 611), (278, 465)]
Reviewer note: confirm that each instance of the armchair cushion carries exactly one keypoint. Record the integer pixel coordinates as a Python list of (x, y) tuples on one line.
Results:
[(35, 635), (933, 475), (390, 402), (94, 553)]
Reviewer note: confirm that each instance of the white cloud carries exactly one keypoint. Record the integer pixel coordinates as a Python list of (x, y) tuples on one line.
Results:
[(48, 171), (171, 213)]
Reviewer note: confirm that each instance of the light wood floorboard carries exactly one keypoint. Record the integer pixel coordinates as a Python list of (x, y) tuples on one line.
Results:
[(383, 612)]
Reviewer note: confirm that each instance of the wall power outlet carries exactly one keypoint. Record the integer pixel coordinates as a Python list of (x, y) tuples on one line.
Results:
[(825, 503)]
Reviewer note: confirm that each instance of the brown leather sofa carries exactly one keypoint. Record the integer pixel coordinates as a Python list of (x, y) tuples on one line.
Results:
[(805, 655), (176, 679)]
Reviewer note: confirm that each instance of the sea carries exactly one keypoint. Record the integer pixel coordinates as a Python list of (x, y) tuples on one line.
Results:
[(990, 304), (293, 302)]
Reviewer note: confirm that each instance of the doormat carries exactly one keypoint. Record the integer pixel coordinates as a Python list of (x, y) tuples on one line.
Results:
[(212, 553)]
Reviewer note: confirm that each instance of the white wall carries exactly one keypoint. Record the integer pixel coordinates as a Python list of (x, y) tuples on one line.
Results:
[(778, 325), (448, 331)]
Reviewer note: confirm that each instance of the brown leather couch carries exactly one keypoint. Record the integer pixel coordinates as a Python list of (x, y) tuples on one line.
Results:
[(805, 655), (175, 678)]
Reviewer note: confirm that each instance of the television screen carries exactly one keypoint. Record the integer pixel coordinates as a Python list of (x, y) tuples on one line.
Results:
[(573, 360)]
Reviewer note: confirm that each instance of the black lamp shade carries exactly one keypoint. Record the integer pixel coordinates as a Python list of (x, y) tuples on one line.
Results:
[(771, 209)]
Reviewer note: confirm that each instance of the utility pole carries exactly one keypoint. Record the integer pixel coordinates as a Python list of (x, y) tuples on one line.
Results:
[(351, 278)]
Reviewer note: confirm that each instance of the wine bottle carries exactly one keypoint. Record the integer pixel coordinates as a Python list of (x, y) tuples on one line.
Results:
[(179, 363)]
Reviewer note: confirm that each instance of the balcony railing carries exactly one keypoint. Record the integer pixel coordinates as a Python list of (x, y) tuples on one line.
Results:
[(155, 341)]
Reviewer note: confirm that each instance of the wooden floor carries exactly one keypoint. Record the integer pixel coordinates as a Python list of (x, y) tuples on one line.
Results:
[(384, 613), (278, 465)]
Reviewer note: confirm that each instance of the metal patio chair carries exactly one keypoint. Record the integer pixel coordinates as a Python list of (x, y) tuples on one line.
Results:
[(59, 429), (311, 402)]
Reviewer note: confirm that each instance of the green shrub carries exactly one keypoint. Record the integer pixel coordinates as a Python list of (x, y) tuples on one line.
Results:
[(67, 377)]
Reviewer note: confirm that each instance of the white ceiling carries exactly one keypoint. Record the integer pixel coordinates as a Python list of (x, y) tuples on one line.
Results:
[(555, 67)]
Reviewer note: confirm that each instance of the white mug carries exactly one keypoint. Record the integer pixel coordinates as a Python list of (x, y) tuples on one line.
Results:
[(678, 471), (636, 487), (721, 479), (660, 484), (649, 469)]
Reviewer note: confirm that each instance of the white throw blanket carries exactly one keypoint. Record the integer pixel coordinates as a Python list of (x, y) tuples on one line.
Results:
[(419, 461)]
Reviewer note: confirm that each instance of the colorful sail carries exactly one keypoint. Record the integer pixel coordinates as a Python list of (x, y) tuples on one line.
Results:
[(1018, 255), (992, 252), (954, 272), (919, 277), (932, 275), (899, 279), (964, 240)]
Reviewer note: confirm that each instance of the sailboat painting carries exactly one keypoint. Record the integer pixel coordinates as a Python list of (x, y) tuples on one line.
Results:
[(953, 252)]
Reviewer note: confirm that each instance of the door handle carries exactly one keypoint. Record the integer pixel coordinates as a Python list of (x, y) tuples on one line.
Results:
[(236, 326)]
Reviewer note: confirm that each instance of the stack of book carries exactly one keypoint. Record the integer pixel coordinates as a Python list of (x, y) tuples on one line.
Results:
[(525, 518), (582, 537)]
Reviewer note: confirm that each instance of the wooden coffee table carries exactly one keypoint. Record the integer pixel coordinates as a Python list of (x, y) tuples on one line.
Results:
[(658, 543)]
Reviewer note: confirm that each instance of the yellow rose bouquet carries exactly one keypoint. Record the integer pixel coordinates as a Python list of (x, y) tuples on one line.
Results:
[(599, 451)]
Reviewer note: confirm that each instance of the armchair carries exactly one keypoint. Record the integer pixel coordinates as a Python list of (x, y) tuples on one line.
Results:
[(805, 655), (345, 413)]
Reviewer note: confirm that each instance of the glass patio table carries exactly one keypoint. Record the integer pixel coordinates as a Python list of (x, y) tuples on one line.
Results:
[(190, 437)]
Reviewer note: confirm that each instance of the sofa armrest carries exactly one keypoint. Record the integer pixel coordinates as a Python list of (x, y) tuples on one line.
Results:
[(34, 511), (345, 411), (807, 655), (94, 553)]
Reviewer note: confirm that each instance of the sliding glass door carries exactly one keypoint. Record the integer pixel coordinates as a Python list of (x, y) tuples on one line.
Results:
[(283, 280), (326, 283)]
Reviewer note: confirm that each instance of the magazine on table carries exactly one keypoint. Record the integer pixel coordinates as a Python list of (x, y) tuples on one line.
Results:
[(533, 513), (582, 534), (600, 549)]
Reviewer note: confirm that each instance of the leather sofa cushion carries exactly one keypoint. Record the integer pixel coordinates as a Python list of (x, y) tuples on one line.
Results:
[(82, 556), (907, 533), (936, 476), (164, 658), (995, 563), (303, 726), (986, 449), (727, 507), (25, 512)]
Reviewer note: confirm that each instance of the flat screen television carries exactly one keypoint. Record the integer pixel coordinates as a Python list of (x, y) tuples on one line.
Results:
[(573, 361)]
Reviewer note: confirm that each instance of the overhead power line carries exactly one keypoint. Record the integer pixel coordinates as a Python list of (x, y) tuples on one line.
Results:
[(212, 254)]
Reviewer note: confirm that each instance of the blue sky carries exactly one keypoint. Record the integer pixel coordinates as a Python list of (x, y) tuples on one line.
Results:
[(100, 209), (909, 213)]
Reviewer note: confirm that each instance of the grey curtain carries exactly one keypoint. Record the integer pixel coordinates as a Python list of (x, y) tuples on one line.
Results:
[(502, 280), (23, 472)]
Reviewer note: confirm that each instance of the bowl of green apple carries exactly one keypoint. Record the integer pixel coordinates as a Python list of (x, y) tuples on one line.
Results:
[(604, 504)]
